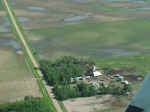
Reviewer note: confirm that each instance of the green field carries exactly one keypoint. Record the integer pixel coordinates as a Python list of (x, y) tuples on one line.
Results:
[(141, 63), (93, 39), (1, 8), (11, 63)]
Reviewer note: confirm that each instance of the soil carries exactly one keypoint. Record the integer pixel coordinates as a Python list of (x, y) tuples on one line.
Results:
[(128, 73), (92, 104)]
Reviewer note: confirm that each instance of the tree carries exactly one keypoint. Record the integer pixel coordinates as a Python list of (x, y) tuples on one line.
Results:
[(62, 70)]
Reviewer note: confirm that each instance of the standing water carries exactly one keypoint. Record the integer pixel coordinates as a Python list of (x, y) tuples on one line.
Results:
[(7, 42), (4, 26), (36, 8), (23, 19), (75, 18)]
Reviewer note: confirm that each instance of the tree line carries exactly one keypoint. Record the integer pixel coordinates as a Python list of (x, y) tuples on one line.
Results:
[(63, 92), (29, 104), (85, 90)]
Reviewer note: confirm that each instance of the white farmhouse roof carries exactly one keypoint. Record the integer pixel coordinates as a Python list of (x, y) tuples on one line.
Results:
[(97, 73)]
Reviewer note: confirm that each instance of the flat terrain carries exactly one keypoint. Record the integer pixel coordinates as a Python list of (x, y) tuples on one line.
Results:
[(85, 28), (101, 30), (16, 79), (93, 104), (96, 40), (49, 13)]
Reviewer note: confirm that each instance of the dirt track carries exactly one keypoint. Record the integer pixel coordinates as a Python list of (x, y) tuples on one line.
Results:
[(34, 62)]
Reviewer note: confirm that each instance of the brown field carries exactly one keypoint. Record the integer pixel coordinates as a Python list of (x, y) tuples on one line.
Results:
[(93, 104), (16, 79)]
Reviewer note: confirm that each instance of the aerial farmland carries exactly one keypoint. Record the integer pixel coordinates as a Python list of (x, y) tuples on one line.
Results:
[(65, 39)]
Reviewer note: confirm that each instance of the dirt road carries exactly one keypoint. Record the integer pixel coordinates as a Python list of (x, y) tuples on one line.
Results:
[(34, 62)]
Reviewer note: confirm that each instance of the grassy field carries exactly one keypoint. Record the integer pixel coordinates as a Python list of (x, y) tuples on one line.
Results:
[(141, 63), (54, 12), (1, 8), (93, 39)]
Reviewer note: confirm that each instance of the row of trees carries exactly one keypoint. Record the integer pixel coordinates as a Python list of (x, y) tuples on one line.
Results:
[(85, 90), (29, 104), (72, 91)]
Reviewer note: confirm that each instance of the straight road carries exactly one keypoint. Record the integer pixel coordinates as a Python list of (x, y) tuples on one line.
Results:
[(29, 52)]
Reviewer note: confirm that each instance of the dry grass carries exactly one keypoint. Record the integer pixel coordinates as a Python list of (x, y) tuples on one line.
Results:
[(92, 104), (16, 80)]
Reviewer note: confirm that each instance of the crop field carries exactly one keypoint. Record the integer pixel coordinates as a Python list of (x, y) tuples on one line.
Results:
[(113, 33), (49, 13), (93, 39), (85, 28), (103, 103), (16, 79), (1, 8)]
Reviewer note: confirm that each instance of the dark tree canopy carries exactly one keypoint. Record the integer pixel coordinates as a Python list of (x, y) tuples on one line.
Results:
[(61, 70), (29, 104)]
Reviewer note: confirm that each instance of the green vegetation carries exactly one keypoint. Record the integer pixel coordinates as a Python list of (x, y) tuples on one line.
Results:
[(29, 104), (39, 81), (62, 106), (1, 6), (115, 33), (15, 66), (85, 90), (60, 72), (102, 6), (114, 87), (80, 90), (63, 69), (139, 62), (97, 40), (94, 39)]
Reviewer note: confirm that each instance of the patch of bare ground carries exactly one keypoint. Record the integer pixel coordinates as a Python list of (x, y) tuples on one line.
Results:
[(22, 12), (16, 90), (6, 35), (142, 14), (2, 13), (20, 52), (124, 4), (91, 104), (103, 18), (83, 1)]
